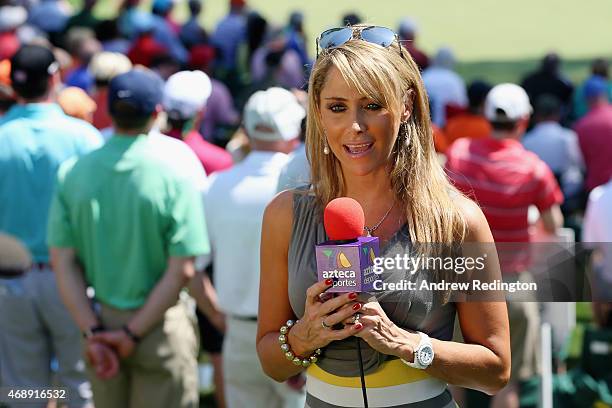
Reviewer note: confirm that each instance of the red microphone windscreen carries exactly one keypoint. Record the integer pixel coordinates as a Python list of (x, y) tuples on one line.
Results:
[(343, 219)]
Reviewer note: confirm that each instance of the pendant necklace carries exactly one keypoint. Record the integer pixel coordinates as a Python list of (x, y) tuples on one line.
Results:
[(370, 230)]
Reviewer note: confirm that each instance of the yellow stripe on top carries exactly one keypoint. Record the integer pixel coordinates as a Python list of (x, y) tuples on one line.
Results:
[(390, 373)]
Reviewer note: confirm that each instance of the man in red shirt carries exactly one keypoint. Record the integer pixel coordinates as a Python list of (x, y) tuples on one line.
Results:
[(595, 133), (505, 180), (185, 97)]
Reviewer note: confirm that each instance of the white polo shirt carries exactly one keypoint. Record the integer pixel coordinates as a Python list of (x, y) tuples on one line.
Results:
[(234, 207), (597, 231), (296, 172)]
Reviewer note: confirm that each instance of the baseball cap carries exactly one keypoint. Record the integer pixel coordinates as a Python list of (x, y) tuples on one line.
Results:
[(445, 57), (200, 56), (12, 17), (186, 93), (106, 65), (272, 115), (32, 64), (162, 6), (595, 86), (408, 25), (141, 89), (507, 103)]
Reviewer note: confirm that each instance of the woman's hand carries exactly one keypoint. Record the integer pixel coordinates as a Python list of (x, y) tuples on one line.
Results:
[(314, 330), (382, 334)]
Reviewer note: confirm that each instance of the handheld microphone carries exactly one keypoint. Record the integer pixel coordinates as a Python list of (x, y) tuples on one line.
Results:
[(348, 257)]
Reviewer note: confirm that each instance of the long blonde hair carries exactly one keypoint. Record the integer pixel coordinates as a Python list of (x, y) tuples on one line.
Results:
[(417, 178)]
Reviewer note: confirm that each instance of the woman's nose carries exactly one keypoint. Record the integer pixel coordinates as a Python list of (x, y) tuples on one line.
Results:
[(358, 124)]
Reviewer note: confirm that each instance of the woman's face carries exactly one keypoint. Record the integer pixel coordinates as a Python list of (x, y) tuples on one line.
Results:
[(360, 132)]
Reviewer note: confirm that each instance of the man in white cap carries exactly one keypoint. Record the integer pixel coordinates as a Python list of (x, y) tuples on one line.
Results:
[(506, 179), (234, 206), (185, 97)]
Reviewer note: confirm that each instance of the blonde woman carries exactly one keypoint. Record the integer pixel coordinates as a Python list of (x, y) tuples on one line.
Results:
[(369, 137)]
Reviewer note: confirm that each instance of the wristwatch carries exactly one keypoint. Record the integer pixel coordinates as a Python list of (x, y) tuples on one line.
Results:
[(423, 353)]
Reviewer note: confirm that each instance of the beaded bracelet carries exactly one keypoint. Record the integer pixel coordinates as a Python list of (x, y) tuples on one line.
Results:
[(286, 348)]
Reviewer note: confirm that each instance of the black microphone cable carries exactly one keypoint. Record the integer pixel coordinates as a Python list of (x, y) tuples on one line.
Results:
[(362, 374)]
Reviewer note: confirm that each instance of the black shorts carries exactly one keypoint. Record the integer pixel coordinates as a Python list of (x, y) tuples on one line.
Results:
[(211, 339)]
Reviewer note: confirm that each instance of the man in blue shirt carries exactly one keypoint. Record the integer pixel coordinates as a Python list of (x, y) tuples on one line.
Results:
[(35, 138)]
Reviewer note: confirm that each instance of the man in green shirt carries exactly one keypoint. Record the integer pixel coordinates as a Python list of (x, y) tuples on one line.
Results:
[(128, 221)]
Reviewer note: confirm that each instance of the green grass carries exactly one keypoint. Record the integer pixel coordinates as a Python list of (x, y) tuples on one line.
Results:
[(478, 30), (498, 42), (513, 71)]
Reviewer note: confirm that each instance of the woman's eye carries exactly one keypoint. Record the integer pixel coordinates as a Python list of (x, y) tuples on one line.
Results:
[(373, 106), (337, 108)]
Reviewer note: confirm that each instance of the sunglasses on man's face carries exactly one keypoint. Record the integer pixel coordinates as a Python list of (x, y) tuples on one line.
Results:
[(335, 37)]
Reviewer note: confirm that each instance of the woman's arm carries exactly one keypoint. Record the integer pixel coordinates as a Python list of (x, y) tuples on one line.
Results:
[(483, 362), (274, 308)]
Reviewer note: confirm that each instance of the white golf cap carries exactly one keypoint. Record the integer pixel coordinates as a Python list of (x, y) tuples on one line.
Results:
[(12, 17), (272, 115), (507, 103), (105, 65), (186, 93)]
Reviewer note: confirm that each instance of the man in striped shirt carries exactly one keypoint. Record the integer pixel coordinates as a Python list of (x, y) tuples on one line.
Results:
[(505, 180)]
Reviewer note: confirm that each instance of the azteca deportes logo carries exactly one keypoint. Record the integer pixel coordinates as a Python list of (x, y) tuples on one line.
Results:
[(341, 261), (338, 265)]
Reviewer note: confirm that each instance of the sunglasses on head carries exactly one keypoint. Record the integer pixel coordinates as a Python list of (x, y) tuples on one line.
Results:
[(335, 37)]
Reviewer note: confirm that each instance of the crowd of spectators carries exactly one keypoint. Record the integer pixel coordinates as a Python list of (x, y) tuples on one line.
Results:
[(172, 121)]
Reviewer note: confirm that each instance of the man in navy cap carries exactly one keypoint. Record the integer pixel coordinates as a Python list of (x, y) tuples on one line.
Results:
[(128, 221), (35, 138)]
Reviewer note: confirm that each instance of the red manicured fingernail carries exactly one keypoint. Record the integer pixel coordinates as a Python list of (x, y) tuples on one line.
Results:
[(358, 326), (329, 281), (352, 295), (357, 306)]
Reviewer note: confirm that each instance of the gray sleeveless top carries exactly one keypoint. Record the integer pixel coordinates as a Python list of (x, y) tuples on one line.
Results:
[(420, 310)]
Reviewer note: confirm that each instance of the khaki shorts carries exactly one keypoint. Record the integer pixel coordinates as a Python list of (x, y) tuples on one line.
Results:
[(161, 372), (524, 317)]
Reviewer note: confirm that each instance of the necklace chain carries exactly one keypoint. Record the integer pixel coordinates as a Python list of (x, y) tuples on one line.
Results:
[(370, 230)]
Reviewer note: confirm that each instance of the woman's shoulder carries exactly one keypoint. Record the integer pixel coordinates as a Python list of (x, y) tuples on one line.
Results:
[(280, 207), (283, 205), (283, 211)]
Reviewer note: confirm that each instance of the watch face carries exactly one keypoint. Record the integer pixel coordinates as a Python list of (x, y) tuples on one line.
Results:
[(425, 355)]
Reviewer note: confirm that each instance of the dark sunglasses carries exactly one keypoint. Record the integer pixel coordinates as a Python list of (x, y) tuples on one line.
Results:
[(335, 37)]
